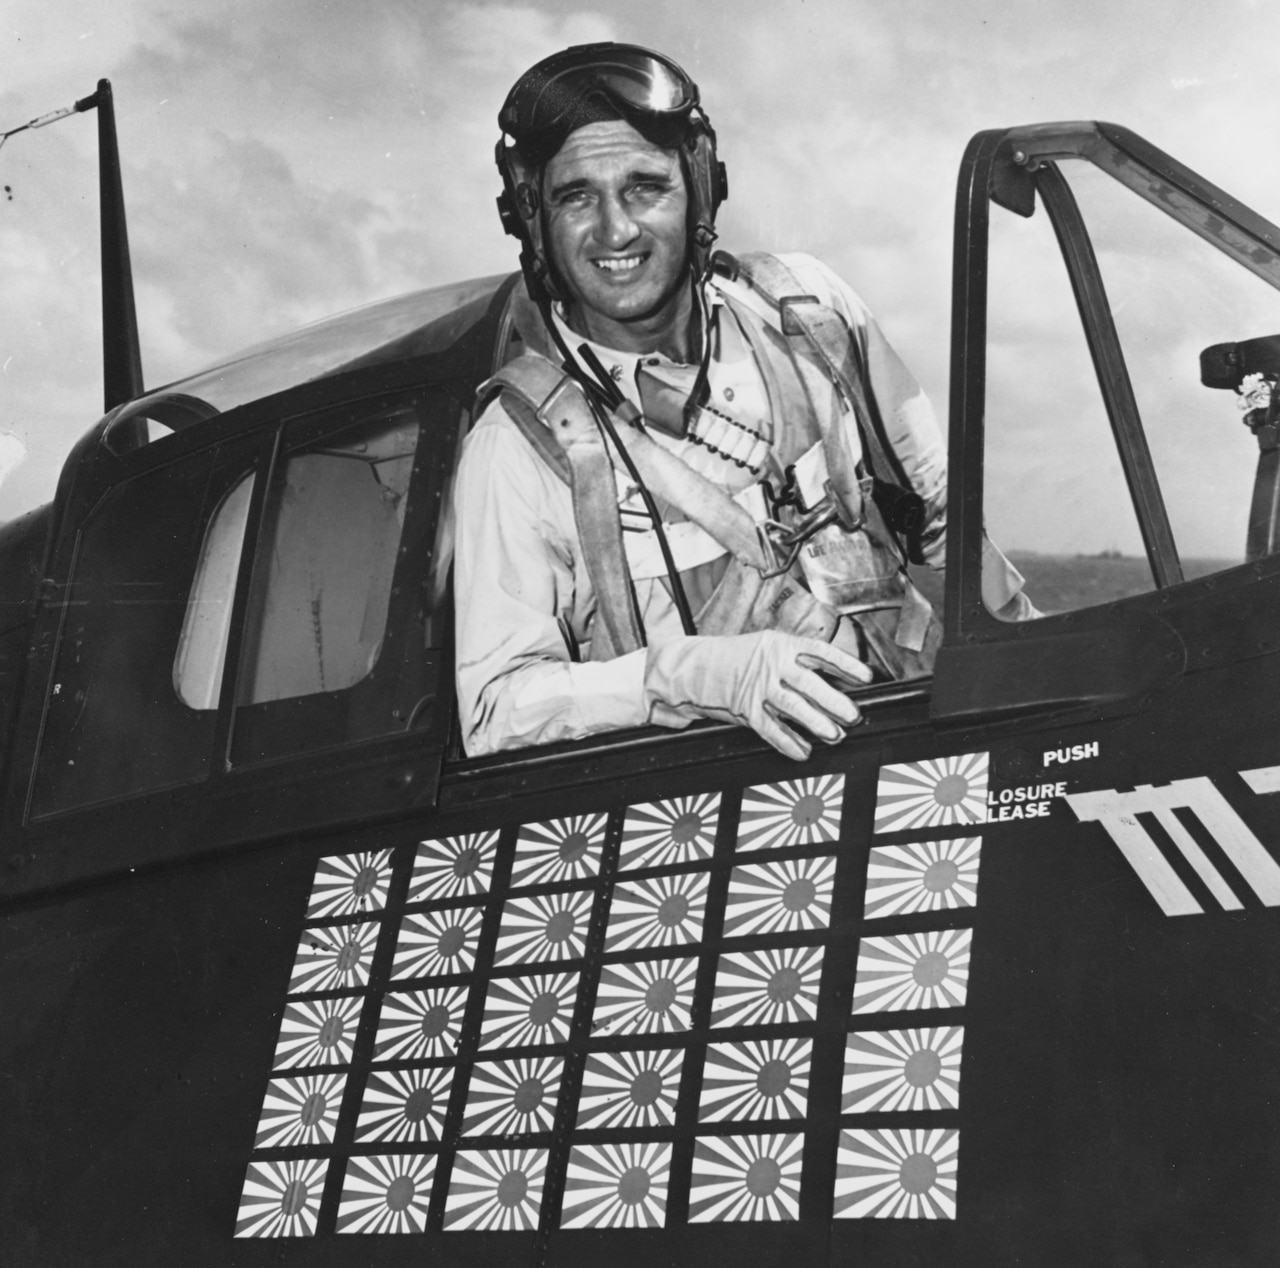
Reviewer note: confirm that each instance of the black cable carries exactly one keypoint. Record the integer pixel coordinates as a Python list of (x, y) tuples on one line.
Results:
[(613, 398), (700, 394)]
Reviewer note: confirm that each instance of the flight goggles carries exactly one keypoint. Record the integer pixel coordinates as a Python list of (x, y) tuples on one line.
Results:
[(565, 92)]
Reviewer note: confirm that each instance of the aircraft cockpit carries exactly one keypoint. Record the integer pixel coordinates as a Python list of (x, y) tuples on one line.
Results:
[(250, 567)]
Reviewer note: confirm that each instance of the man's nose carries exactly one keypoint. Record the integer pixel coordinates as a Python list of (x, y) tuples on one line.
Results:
[(617, 227)]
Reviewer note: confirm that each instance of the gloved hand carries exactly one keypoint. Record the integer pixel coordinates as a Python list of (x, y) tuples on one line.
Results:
[(770, 681)]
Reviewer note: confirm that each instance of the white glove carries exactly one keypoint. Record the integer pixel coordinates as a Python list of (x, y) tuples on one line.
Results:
[(1019, 608), (768, 681)]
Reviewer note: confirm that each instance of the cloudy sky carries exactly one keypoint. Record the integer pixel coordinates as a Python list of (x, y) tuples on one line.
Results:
[(287, 159)]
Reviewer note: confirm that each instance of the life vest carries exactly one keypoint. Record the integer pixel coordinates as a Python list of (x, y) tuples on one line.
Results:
[(824, 437)]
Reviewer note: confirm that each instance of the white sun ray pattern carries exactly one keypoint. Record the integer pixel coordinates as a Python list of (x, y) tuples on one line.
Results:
[(764, 987), (558, 850), (281, 1199), (794, 812), (405, 1105), (630, 1089), (495, 1189), (902, 1070), (746, 1178), (453, 867), (646, 998), (664, 911), (350, 884), (779, 897), (417, 1025), (755, 1080), (317, 1032), (913, 970), (520, 1011), (896, 1174), (922, 876), (616, 1186), (334, 958), (386, 1193), (435, 943), (544, 928), (938, 793), (659, 833), (300, 1111), (511, 1097)]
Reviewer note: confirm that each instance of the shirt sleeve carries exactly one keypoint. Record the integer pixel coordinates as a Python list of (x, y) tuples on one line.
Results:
[(523, 605)]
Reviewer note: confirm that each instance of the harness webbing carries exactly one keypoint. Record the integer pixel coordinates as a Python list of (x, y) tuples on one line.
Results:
[(802, 318), (560, 420), (554, 417)]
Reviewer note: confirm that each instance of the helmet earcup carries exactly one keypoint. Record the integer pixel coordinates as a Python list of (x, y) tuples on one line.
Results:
[(507, 214), (519, 208)]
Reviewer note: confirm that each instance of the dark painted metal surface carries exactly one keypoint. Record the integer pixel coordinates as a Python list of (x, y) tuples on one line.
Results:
[(968, 386), (121, 352), (239, 804), (1116, 1098)]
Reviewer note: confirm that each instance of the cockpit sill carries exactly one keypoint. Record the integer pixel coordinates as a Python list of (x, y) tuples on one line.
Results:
[(391, 779), (886, 708)]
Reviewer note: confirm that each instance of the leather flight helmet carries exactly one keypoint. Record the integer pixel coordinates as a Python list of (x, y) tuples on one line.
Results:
[(594, 83)]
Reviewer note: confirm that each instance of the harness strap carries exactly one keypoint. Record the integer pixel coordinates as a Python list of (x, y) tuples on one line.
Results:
[(827, 355), (564, 422), (555, 418), (804, 319), (745, 598), (838, 446), (691, 493)]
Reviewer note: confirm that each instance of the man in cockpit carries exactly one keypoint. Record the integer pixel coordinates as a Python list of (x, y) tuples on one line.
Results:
[(696, 492)]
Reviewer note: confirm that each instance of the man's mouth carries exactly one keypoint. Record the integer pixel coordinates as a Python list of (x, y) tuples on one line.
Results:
[(624, 264)]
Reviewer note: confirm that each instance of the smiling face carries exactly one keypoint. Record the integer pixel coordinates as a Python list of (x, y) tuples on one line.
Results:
[(616, 230)]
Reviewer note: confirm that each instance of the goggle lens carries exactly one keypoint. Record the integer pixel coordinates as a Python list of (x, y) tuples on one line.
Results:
[(655, 88), (548, 100)]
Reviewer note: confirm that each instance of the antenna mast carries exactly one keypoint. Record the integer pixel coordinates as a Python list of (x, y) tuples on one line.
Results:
[(121, 355)]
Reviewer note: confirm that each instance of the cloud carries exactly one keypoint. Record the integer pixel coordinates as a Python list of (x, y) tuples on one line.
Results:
[(289, 158), (368, 171), (265, 238), (12, 452)]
